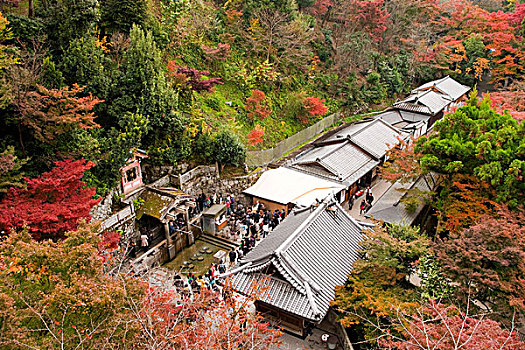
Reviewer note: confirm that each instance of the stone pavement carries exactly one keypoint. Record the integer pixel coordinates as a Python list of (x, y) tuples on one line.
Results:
[(312, 341), (378, 189)]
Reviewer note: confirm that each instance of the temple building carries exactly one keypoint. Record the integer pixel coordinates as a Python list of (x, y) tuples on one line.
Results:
[(292, 273)]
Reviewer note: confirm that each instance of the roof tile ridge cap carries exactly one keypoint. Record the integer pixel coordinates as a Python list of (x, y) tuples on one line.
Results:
[(363, 148), (329, 168), (296, 282), (311, 299), (391, 126), (312, 174), (235, 270), (299, 276), (300, 229), (364, 128)]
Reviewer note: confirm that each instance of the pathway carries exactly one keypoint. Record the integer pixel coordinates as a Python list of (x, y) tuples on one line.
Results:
[(378, 189)]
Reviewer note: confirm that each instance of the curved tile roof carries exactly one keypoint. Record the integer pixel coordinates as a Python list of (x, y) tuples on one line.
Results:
[(314, 250)]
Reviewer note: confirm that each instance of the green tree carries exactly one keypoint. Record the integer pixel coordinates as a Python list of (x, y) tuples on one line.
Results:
[(84, 63), (144, 89), (228, 149), (379, 281), (10, 174), (475, 140), (66, 20), (7, 57), (120, 15)]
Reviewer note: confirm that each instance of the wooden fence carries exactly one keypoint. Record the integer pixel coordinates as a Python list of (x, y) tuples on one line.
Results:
[(266, 156)]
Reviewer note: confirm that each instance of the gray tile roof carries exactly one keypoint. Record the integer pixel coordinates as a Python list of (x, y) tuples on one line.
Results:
[(447, 86), (342, 162), (389, 207), (413, 117), (376, 138), (373, 136), (425, 102), (312, 251)]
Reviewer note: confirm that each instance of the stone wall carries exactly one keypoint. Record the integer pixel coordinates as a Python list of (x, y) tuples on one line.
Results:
[(209, 183), (102, 210), (206, 181)]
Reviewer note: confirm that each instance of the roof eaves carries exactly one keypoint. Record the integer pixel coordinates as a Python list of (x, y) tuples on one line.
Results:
[(290, 276)]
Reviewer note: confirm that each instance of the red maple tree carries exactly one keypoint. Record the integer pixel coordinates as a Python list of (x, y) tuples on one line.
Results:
[(255, 136), (497, 30), (173, 320), (191, 78), (487, 260), (255, 106), (402, 163), (512, 100), (437, 326), (50, 112), (51, 204), (315, 106)]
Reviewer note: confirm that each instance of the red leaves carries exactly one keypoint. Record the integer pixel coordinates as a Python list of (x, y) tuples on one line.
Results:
[(517, 17), (220, 53), (311, 106), (206, 322), (462, 19), (192, 78), (402, 164), (315, 106), (437, 326), (255, 136), (256, 107), (322, 6), (50, 112), (512, 100), (110, 241), (52, 203), (488, 259)]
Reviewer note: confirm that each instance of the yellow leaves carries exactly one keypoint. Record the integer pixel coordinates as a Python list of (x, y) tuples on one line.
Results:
[(104, 44), (255, 28), (480, 64)]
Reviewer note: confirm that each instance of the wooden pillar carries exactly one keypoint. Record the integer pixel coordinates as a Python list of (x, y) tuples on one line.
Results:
[(169, 242), (187, 218)]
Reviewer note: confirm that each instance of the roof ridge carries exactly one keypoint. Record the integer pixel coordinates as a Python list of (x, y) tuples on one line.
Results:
[(306, 172), (302, 227), (289, 272), (329, 168)]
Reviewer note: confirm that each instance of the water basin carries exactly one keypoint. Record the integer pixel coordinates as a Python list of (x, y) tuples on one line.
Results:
[(191, 253)]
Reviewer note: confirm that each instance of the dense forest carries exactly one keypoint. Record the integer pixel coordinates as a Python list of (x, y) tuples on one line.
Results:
[(195, 81), (90, 79)]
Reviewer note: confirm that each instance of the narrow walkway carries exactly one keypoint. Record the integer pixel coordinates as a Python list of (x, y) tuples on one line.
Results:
[(378, 189)]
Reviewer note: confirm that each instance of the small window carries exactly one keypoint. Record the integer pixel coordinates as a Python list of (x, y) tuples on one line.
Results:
[(131, 174)]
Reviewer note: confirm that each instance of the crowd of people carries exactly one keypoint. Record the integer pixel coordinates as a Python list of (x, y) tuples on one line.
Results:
[(208, 280), (203, 201)]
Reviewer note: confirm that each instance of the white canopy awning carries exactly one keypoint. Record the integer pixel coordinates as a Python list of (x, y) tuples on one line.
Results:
[(284, 185)]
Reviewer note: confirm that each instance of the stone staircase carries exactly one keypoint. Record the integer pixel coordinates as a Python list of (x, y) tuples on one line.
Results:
[(218, 241)]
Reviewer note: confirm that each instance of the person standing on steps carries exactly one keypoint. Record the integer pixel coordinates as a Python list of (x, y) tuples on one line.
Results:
[(144, 242)]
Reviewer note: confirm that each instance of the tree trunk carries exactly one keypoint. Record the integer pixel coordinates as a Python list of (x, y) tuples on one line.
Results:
[(21, 139), (30, 9)]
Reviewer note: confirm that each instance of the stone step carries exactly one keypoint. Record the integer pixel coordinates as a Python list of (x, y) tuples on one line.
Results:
[(218, 241)]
